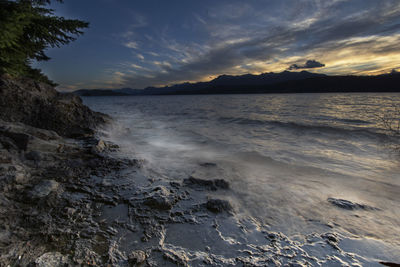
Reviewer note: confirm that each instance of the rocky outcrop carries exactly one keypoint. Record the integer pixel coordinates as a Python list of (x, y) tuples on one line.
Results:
[(348, 205), (39, 170), (40, 105), (213, 185), (160, 198), (219, 205), (48, 198)]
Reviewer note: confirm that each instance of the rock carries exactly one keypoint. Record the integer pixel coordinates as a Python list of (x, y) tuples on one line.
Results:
[(44, 188), (348, 205), (273, 235), (297, 264), (85, 256), (209, 184), (61, 148), (34, 155), (208, 164), (178, 257), (20, 140), (161, 198), (390, 264), (219, 205), (53, 259), (40, 105), (20, 175), (5, 159), (115, 256), (70, 211), (137, 257), (99, 147), (330, 237), (7, 143)]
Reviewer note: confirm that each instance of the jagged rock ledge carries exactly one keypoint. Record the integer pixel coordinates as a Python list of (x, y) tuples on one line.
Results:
[(40, 105), (48, 150)]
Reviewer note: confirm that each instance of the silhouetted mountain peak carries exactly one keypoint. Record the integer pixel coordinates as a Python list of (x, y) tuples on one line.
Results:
[(281, 82)]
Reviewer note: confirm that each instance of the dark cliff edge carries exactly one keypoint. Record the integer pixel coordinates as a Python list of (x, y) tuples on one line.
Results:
[(48, 153), (40, 105)]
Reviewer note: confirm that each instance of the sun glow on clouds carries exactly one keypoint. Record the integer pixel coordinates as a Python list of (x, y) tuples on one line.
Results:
[(356, 44), (199, 41)]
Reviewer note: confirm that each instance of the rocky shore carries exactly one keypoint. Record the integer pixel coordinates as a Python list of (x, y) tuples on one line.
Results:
[(67, 198), (65, 201), (47, 152)]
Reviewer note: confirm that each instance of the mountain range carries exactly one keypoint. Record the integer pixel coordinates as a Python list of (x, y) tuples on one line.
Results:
[(283, 82)]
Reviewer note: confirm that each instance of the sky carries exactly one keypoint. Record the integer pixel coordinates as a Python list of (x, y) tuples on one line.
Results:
[(135, 44)]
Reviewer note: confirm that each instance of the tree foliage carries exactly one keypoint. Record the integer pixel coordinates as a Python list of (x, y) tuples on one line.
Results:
[(27, 29)]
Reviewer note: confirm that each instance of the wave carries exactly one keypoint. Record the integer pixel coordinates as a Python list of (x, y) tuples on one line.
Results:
[(298, 126), (351, 121)]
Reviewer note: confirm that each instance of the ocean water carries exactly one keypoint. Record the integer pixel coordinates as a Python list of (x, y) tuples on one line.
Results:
[(283, 155)]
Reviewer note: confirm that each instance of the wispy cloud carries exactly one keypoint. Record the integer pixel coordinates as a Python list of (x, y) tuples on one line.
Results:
[(133, 45), (140, 56), (358, 37)]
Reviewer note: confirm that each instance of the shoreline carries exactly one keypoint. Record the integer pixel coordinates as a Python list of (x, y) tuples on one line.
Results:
[(68, 199)]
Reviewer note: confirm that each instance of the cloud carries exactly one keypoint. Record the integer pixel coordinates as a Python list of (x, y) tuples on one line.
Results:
[(133, 45), (140, 56), (310, 64), (333, 32)]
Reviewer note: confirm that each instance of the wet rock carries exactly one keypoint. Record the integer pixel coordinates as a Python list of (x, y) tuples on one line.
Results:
[(5, 159), (273, 236), (348, 205), (330, 237), (161, 198), (21, 177), (34, 155), (390, 264), (40, 105), (84, 256), (53, 259), (20, 140), (297, 264), (7, 143), (137, 257), (115, 256), (209, 184), (99, 147), (208, 164), (70, 211), (175, 184), (18, 174), (219, 205), (177, 257), (44, 188)]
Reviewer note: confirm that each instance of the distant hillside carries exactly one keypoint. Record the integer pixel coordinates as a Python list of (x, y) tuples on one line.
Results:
[(283, 82), (99, 92)]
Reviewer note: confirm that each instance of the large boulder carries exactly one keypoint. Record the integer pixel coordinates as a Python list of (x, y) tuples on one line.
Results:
[(53, 259), (161, 198), (40, 105), (44, 188)]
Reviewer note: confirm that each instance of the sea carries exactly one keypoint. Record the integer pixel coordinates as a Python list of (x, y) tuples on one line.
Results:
[(299, 164)]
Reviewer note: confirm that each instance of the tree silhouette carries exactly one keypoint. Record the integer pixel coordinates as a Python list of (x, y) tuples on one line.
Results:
[(27, 29)]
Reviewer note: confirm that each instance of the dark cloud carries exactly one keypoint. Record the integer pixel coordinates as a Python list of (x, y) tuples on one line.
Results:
[(310, 64), (324, 33)]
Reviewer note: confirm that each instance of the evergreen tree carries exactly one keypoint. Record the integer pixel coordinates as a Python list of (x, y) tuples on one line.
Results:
[(27, 29)]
